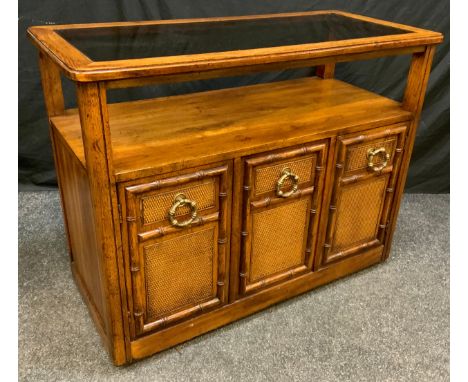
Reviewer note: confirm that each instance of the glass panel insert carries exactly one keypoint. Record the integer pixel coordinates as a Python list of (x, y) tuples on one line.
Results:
[(128, 42)]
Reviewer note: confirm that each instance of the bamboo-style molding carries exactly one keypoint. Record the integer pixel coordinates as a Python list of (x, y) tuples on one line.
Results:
[(273, 201), (176, 180), (223, 238), (250, 204), (172, 318), (391, 171), (169, 229), (121, 268), (290, 274), (316, 206), (371, 136), (352, 251), (251, 303), (364, 176), (136, 238), (391, 186)]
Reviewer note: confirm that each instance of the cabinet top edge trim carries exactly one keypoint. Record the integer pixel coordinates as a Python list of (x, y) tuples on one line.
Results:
[(79, 67)]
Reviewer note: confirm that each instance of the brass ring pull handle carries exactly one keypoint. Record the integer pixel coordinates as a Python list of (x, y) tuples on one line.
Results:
[(371, 153), (286, 174), (180, 201)]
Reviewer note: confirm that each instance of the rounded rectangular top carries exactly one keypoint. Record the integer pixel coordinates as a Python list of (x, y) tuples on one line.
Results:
[(107, 51)]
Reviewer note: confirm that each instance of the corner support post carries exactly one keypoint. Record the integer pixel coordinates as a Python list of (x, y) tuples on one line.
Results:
[(413, 101), (91, 98)]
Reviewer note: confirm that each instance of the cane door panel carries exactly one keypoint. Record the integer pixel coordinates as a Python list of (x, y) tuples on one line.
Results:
[(281, 203), (177, 231), (365, 174)]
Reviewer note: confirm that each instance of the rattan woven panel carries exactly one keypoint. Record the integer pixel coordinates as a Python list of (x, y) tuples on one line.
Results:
[(156, 207), (180, 272), (266, 177), (356, 155), (278, 239), (358, 212)]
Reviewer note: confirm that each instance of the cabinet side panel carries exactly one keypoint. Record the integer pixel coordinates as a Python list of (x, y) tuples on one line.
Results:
[(73, 183)]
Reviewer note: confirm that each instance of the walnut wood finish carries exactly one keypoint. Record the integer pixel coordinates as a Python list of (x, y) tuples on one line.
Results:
[(52, 86), (200, 289), (361, 198), (76, 199), (413, 101), (240, 308), (321, 63), (326, 71), (96, 141), (290, 220), (258, 116), (150, 284), (79, 67)]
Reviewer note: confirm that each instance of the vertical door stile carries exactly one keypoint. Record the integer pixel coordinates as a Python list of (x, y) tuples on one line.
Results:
[(135, 266), (315, 207), (246, 229)]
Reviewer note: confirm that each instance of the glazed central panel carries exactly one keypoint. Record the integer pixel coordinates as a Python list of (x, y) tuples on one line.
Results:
[(143, 41)]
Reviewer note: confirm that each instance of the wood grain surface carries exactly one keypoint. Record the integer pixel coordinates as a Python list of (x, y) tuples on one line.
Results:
[(161, 135), (77, 66), (117, 164)]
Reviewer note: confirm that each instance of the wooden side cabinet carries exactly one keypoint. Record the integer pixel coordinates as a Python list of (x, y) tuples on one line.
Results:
[(188, 212)]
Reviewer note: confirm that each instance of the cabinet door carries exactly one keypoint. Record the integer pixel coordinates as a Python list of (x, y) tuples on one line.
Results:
[(177, 234), (365, 174), (282, 197)]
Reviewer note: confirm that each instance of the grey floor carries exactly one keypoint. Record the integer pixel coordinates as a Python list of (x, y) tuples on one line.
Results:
[(387, 323)]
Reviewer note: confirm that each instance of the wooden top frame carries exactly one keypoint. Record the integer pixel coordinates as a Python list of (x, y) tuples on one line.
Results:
[(78, 67)]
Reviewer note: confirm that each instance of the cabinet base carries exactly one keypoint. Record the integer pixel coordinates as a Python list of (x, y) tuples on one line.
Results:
[(187, 330)]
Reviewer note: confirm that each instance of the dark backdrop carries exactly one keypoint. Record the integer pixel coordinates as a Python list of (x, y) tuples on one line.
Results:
[(429, 170)]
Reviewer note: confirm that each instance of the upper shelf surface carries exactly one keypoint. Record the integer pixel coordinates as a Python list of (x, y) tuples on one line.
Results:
[(170, 133), (123, 50)]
